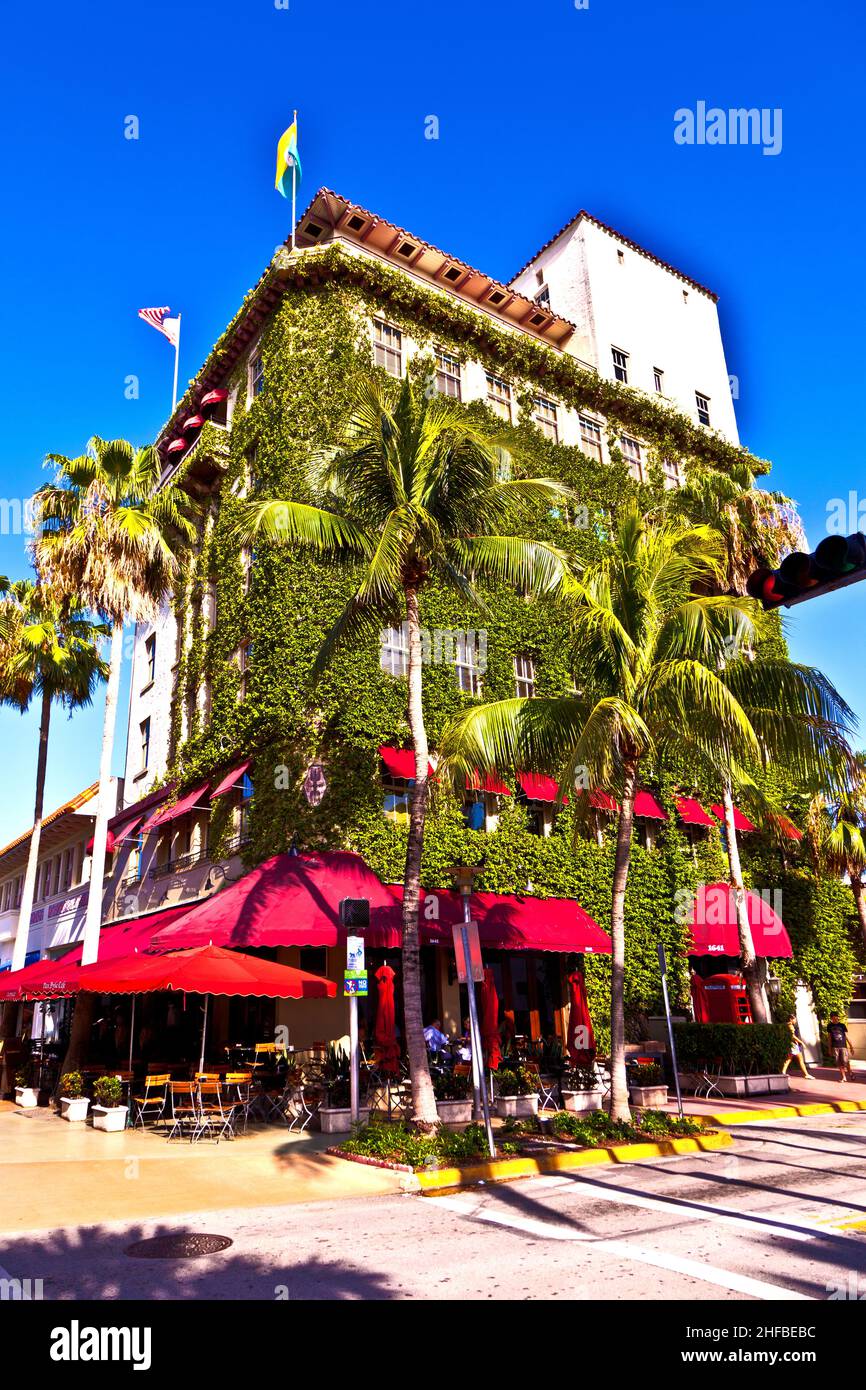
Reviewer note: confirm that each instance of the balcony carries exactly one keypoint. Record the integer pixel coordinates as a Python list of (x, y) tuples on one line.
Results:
[(182, 879)]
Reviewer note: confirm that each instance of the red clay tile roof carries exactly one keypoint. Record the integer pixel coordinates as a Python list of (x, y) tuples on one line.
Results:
[(72, 805)]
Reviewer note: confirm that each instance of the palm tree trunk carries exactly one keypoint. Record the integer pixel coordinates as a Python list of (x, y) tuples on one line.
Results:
[(104, 808), (858, 888), (619, 1108), (22, 931), (423, 1099), (751, 968)]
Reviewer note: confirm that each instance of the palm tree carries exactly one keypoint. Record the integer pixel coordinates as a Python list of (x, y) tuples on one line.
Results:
[(412, 494), (645, 653), (800, 719), (107, 530), (48, 653), (837, 834)]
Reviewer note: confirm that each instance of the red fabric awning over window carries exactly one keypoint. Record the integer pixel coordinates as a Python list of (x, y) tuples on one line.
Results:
[(110, 843), (646, 805), (176, 446), (230, 779), (691, 812), (537, 787), (214, 397), (400, 762), (180, 807), (789, 829), (741, 821), (204, 970), (714, 924), (488, 783)]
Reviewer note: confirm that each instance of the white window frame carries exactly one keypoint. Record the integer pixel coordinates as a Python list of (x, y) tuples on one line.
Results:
[(499, 395), (385, 353), (702, 406), (635, 461), (590, 437), (659, 381), (243, 661), (394, 650), (466, 667), (619, 358), (144, 730), (448, 379), (524, 676), (255, 374), (542, 409), (672, 472), (542, 298), (395, 790), (150, 659)]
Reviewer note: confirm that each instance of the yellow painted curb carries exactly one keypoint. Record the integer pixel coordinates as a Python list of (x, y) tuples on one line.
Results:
[(505, 1169), (785, 1112)]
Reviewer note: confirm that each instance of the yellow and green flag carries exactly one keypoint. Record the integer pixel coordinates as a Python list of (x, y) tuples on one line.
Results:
[(287, 160)]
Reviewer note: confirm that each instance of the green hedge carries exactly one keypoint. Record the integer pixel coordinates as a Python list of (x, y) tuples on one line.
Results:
[(744, 1049)]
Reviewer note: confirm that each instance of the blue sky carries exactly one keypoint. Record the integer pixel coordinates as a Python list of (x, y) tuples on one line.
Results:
[(543, 109)]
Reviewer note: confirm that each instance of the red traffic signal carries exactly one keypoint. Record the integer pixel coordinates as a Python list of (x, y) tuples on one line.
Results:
[(837, 561)]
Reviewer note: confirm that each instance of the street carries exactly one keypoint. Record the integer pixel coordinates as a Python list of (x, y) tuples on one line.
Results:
[(775, 1218)]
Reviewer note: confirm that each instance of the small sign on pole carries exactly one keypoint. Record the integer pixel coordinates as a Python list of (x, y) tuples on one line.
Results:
[(474, 970), (355, 955), (355, 982)]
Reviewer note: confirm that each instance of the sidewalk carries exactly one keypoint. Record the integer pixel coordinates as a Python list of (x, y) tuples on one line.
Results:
[(823, 1088)]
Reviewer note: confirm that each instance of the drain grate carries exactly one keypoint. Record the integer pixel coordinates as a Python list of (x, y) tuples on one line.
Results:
[(187, 1246)]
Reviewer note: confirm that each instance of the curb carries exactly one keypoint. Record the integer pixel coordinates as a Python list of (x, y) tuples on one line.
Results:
[(504, 1170), (784, 1112)]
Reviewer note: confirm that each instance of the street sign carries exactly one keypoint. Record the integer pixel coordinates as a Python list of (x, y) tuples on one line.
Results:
[(355, 955), (475, 970), (355, 982)]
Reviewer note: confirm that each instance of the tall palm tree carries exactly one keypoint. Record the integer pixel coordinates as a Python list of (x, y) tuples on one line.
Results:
[(645, 650), (411, 494), (801, 720), (837, 834), (49, 654), (107, 530)]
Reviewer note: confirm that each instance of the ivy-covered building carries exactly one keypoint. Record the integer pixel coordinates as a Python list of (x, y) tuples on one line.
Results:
[(601, 366)]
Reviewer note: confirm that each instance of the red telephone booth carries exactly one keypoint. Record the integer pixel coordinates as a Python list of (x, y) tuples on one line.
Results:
[(727, 999)]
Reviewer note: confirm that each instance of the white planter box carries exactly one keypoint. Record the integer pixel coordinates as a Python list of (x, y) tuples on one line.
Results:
[(516, 1107), (761, 1085), (74, 1110), (26, 1097), (580, 1101), (455, 1112), (649, 1097), (339, 1121), (111, 1118)]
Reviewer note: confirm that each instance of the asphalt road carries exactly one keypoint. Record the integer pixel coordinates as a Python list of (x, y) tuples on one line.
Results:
[(773, 1219)]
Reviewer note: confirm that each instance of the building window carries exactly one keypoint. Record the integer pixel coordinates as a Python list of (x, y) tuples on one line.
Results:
[(703, 404), (590, 436), (544, 415), (394, 650), (255, 376), (247, 555), (632, 455), (447, 374), (671, 472), (150, 659), (211, 604), (144, 730), (387, 347), (244, 661), (499, 396), (245, 807), (543, 298), (659, 380), (395, 803), (466, 664), (620, 365), (524, 677)]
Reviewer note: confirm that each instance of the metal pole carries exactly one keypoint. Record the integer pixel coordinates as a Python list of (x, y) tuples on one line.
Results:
[(475, 1034), (203, 1033), (354, 1061), (674, 1064), (294, 178), (131, 1031), (176, 359)]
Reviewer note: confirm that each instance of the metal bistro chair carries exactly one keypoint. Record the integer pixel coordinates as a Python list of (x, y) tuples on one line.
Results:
[(212, 1117), (239, 1087), (184, 1110), (546, 1089), (709, 1069), (153, 1102)]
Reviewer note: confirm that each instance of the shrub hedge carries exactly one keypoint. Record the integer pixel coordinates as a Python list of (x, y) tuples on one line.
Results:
[(744, 1051)]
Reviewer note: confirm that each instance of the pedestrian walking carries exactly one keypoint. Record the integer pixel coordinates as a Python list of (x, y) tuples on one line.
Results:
[(797, 1053), (838, 1035)]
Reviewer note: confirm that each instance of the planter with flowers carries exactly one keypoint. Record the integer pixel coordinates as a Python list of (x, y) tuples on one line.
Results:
[(109, 1112), (517, 1094), (25, 1095), (647, 1087), (454, 1099), (73, 1101), (580, 1090)]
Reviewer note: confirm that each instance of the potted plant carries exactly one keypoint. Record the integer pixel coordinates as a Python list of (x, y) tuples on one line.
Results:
[(25, 1095), (335, 1116), (518, 1093), (646, 1086), (454, 1099), (73, 1101), (109, 1112), (581, 1090)]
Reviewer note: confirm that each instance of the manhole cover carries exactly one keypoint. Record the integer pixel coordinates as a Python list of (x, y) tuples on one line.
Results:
[(182, 1247)]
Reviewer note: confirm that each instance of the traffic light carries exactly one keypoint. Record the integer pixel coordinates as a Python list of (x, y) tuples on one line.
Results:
[(837, 561)]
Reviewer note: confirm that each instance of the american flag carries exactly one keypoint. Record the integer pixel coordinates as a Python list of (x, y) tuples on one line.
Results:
[(157, 319)]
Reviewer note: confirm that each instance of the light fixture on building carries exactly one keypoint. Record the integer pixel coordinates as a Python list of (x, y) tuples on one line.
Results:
[(315, 784)]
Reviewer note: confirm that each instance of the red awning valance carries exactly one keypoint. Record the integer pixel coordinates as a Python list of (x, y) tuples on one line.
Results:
[(646, 805), (537, 787), (193, 422), (213, 398), (714, 924), (741, 822), (231, 779), (110, 843), (180, 807), (176, 446), (691, 812), (400, 762), (490, 782)]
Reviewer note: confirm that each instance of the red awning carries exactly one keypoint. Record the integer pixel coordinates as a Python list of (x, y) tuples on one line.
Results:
[(789, 829), (231, 779), (714, 924), (692, 812), (176, 446), (489, 783), (646, 805), (400, 762), (213, 398), (180, 807), (601, 801), (741, 822), (128, 830), (204, 970), (193, 422), (110, 843), (537, 787)]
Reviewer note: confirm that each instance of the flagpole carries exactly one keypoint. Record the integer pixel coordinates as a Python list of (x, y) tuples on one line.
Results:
[(294, 178), (176, 359)]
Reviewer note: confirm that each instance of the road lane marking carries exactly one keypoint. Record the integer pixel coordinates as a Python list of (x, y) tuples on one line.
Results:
[(677, 1264)]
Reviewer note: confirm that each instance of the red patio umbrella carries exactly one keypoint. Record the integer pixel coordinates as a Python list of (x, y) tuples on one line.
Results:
[(490, 1020), (384, 1033), (699, 1000), (578, 1017)]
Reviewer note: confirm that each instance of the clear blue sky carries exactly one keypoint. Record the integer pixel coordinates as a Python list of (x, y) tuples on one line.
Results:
[(543, 109)]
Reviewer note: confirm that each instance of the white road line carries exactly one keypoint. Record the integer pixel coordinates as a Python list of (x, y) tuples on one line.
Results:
[(694, 1269)]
